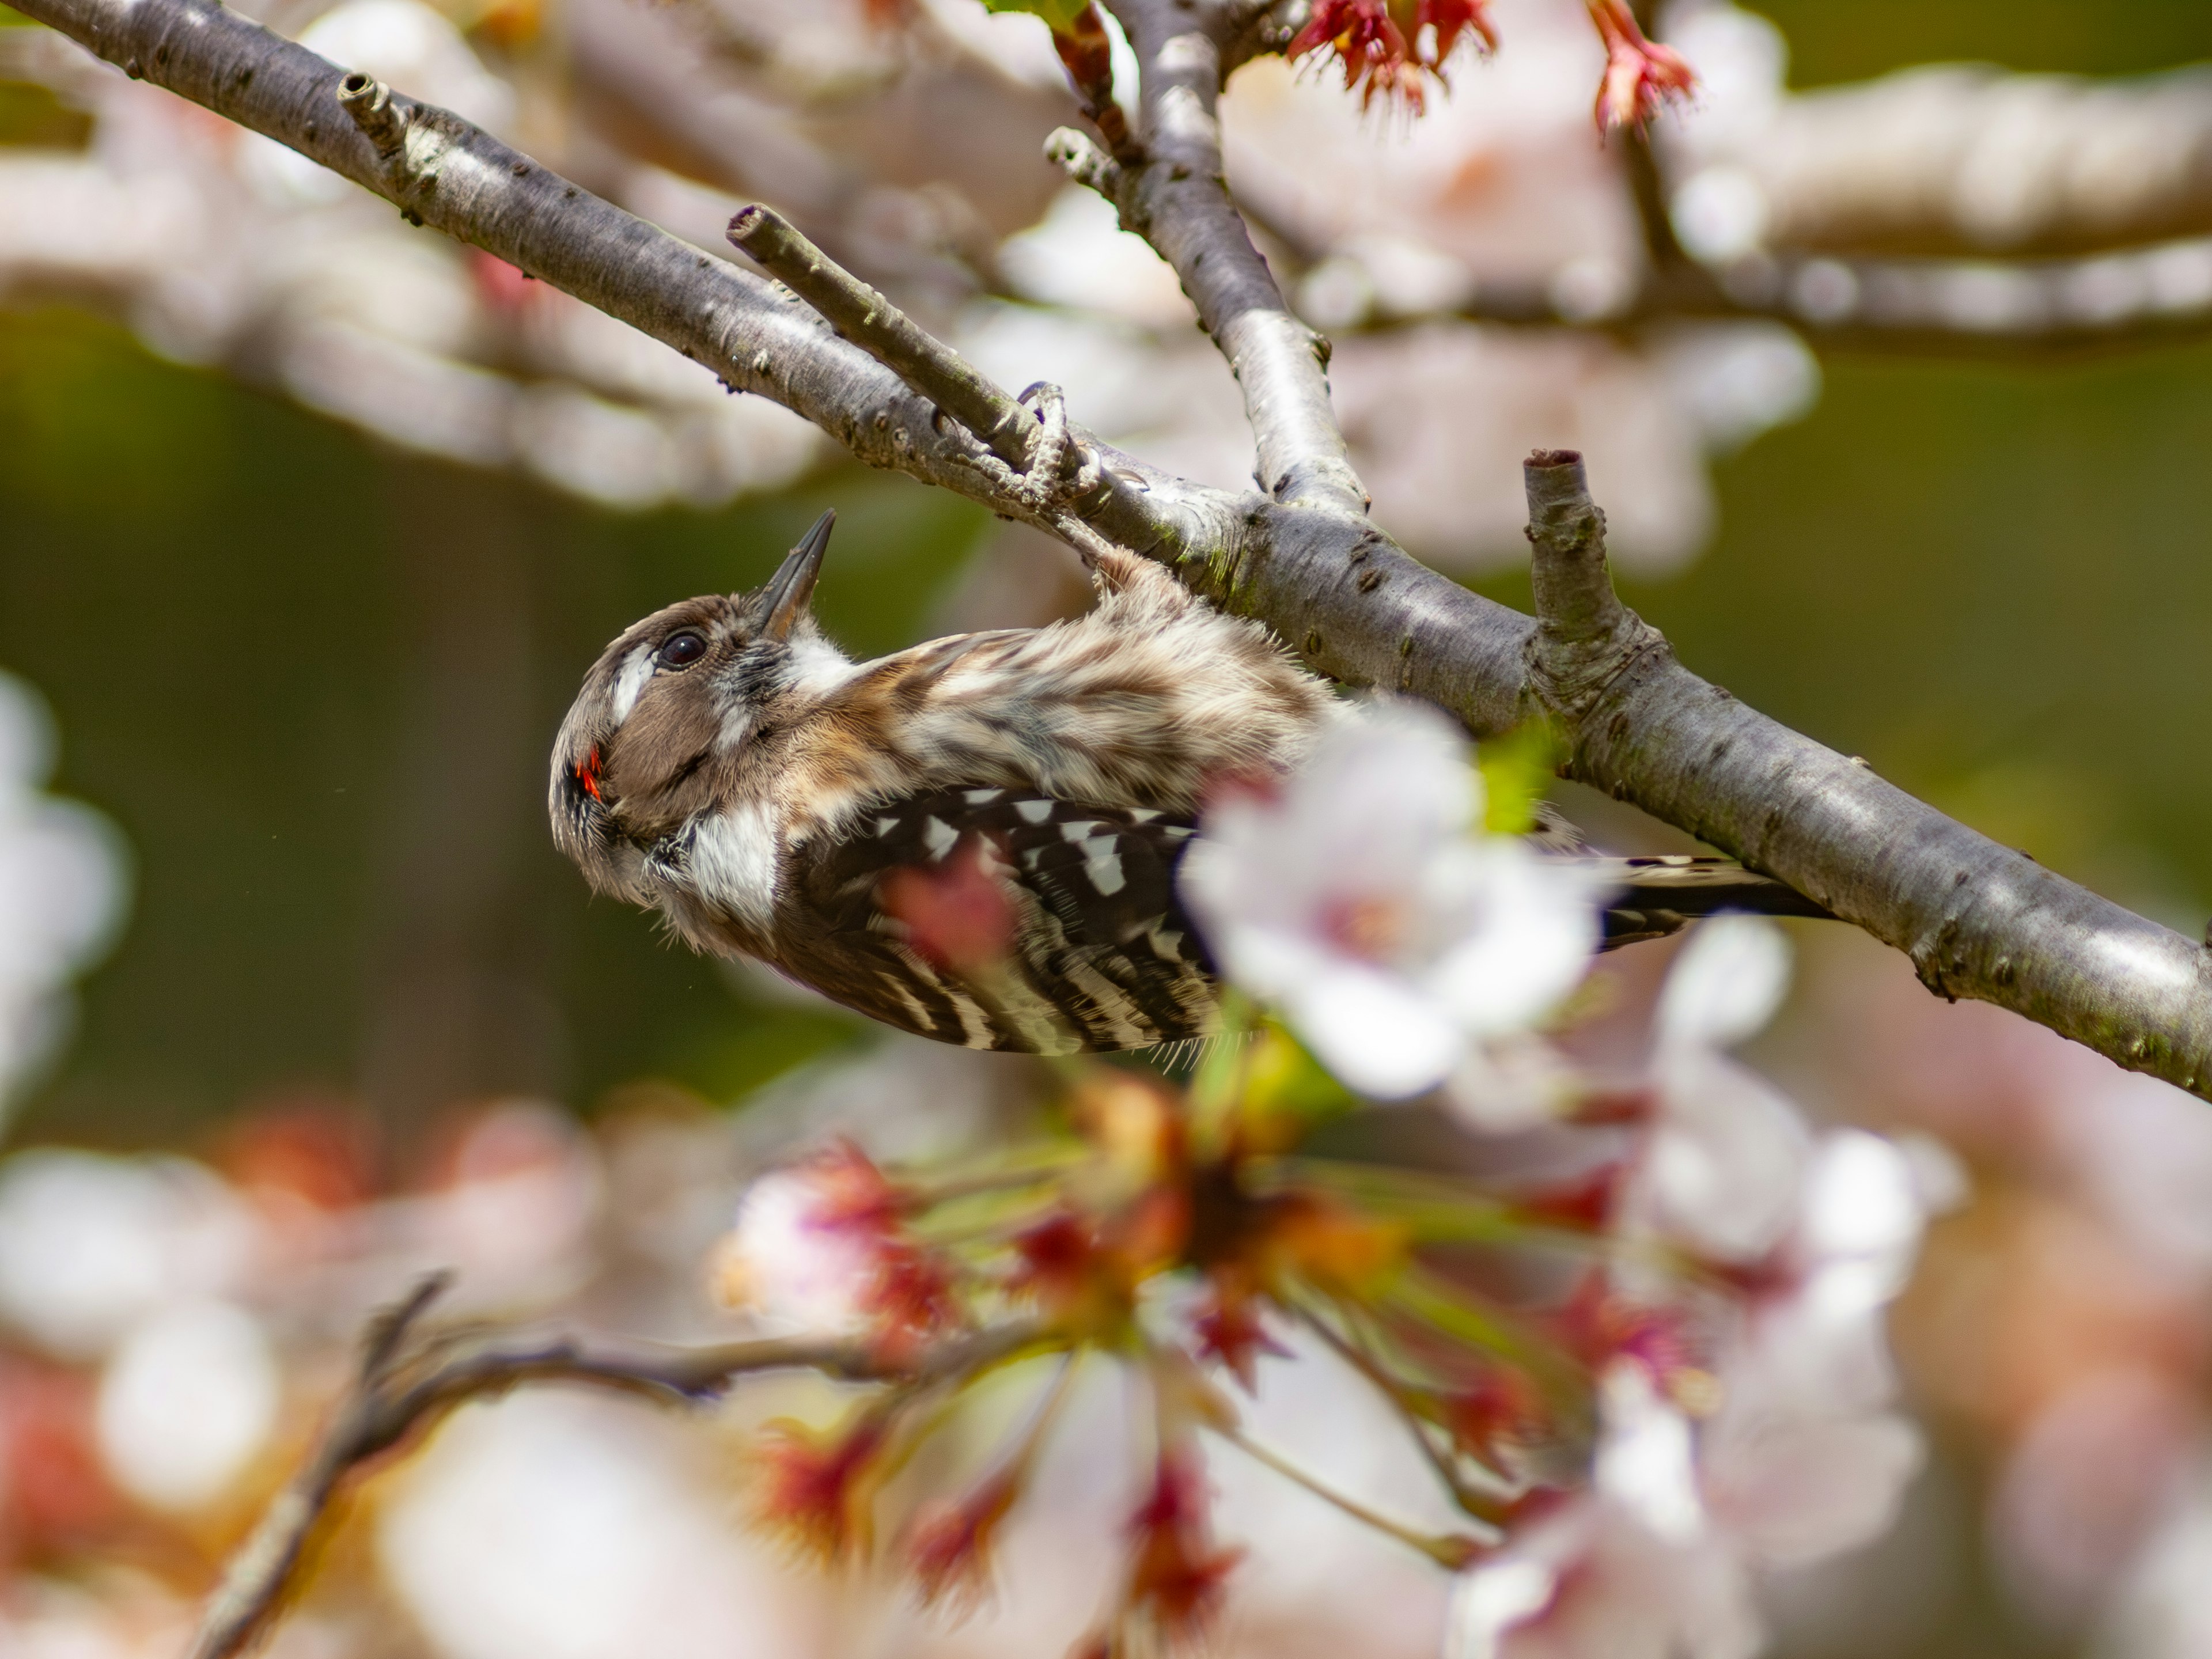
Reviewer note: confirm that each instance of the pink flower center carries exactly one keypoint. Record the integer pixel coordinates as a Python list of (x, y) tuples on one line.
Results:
[(1373, 929)]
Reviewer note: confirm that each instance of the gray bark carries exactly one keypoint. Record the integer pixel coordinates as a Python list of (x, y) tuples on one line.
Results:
[(1977, 919), (1176, 197)]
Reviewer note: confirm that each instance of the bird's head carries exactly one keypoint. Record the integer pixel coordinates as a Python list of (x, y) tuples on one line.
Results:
[(655, 737)]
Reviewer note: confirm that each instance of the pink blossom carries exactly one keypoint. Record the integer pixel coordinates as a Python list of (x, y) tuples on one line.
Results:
[(1640, 75), (1726, 1153), (818, 1249), (1365, 902)]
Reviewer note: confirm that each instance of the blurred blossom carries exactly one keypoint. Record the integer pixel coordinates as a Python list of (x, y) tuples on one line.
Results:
[(186, 1402), (1632, 1570), (1363, 898), (91, 1245), (1313, 1579), (801, 1255), (2162, 1610), (1659, 1557), (510, 1210), (818, 1249), (54, 1491), (63, 890), (127, 1617), (556, 1526), (1728, 1150), (223, 247), (2095, 1479)]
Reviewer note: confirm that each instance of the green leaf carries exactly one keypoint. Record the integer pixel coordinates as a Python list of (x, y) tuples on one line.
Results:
[(1517, 769), (1283, 1078), (1060, 14)]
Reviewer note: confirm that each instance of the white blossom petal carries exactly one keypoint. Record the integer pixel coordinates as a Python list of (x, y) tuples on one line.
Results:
[(1375, 1032), (1796, 1493), (1363, 902), (1725, 1163), (1644, 1458), (1726, 984), (1862, 1206), (1538, 926)]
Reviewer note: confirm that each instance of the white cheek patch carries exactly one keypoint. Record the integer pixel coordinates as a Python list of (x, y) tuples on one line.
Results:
[(737, 723), (818, 667), (734, 861), (636, 670)]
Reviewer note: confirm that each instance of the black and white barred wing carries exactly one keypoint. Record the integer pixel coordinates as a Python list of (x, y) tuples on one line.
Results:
[(1096, 952)]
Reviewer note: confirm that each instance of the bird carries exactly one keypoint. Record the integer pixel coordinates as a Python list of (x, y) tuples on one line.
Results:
[(974, 840)]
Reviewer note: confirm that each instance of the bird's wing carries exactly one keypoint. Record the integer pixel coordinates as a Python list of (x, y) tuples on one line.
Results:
[(1003, 919)]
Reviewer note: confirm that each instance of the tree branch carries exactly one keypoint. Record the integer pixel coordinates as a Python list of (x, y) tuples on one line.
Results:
[(1975, 308), (1976, 919), (929, 366), (401, 1386), (1178, 199), (1979, 920), (1964, 159)]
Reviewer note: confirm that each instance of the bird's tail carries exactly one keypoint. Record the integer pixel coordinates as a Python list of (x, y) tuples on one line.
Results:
[(1652, 898)]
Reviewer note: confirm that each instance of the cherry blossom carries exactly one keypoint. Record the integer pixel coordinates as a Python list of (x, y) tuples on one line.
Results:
[(1659, 1557), (1726, 1151), (818, 1249), (1362, 900), (1385, 49), (62, 888)]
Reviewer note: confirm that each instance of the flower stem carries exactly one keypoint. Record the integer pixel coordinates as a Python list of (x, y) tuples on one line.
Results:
[(1450, 1550)]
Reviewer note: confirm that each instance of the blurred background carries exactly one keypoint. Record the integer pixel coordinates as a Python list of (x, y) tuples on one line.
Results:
[(310, 523)]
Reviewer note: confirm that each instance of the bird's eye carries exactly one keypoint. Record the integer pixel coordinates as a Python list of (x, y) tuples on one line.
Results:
[(682, 650)]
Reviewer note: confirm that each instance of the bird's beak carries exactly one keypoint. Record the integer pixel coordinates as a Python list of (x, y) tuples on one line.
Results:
[(784, 600)]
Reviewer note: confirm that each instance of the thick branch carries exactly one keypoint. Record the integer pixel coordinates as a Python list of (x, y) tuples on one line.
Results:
[(1977, 919), (1178, 199), (401, 1386)]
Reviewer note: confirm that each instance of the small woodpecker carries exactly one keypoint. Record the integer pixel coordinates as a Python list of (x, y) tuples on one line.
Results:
[(974, 840)]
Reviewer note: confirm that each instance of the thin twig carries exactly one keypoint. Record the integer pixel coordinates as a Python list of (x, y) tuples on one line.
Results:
[(872, 322), (401, 1388), (1178, 200)]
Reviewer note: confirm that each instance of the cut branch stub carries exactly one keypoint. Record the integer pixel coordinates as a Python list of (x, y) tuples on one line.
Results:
[(368, 102), (1976, 919), (1583, 634), (893, 340)]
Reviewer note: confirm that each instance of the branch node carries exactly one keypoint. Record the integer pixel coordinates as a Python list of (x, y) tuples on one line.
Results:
[(368, 102), (1077, 155), (1045, 483)]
